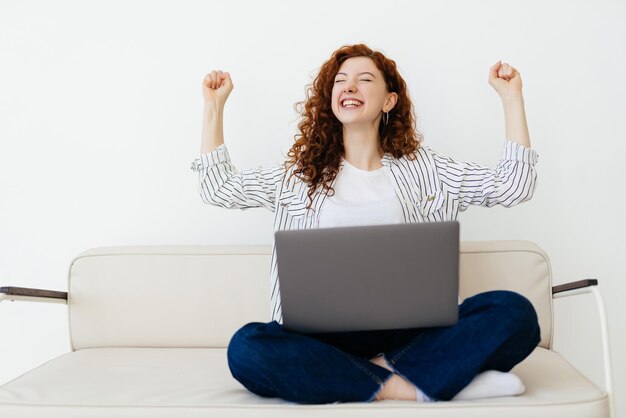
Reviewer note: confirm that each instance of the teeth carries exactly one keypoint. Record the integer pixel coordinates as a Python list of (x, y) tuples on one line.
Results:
[(351, 103)]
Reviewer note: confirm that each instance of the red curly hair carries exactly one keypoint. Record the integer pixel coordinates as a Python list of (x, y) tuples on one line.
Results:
[(318, 148)]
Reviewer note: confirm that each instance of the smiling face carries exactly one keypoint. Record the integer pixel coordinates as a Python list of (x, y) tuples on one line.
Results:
[(359, 79)]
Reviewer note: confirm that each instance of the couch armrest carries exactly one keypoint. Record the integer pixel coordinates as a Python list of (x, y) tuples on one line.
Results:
[(591, 286), (32, 295), (580, 284)]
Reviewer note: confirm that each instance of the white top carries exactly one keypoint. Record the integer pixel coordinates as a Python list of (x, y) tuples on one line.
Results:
[(361, 198)]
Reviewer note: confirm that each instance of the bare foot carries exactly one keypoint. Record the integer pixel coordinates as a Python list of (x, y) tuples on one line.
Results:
[(380, 361), (396, 387)]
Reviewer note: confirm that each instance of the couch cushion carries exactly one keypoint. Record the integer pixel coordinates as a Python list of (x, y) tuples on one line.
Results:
[(196, 382)]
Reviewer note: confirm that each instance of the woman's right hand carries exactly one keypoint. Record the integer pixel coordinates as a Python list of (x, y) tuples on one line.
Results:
[(216, 86)]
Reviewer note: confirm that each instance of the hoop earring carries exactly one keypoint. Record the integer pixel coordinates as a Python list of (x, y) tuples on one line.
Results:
[(386, 118)]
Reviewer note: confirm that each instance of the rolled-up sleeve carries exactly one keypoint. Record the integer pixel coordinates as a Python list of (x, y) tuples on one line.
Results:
[(511, 182), (221, 184)]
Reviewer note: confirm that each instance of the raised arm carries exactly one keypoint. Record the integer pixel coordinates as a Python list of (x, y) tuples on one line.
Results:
[(507, 82), (219, 181), (514, 178), (216, 86)]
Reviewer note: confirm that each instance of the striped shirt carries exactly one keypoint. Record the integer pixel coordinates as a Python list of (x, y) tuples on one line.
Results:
[(431, 188)]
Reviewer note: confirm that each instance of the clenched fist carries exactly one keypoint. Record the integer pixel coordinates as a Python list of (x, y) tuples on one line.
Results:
[(216, 86), (505, 79)]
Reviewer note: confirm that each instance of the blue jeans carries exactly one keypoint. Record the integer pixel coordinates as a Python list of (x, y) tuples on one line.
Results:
[(496, 330)]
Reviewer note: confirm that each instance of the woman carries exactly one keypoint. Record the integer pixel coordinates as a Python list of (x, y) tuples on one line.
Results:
[(359, 161)]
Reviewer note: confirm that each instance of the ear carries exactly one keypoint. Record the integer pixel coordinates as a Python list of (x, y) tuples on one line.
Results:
[(391, 101)]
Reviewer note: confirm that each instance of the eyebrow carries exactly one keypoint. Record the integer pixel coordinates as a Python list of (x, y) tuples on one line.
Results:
[(365, 72)]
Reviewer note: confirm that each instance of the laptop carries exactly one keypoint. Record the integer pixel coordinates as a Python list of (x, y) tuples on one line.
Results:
[(372, 277)]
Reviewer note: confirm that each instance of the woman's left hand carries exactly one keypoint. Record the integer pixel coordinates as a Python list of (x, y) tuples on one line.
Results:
[(505, 79)]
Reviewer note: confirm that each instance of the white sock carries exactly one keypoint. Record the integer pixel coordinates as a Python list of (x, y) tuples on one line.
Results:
[(421, 396), (491, 384)]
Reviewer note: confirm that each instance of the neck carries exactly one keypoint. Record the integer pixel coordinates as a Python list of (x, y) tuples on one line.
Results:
[(362, 148)]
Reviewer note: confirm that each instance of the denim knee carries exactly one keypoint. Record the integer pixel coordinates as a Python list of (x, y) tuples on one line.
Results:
[(515, 308), (242, 344), (244, 354)]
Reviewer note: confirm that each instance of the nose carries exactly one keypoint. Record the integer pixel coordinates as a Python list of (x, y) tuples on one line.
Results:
[(349, 87)]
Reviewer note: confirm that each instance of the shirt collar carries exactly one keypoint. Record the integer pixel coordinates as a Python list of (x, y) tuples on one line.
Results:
[(387, 159)]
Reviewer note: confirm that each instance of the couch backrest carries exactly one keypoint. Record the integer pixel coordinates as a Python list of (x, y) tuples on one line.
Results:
[(198, 296)]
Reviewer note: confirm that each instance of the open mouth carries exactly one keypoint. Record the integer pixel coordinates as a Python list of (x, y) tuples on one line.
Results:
[(351, 104)]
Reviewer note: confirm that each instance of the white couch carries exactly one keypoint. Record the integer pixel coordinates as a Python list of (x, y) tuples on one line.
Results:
[(149, 327)]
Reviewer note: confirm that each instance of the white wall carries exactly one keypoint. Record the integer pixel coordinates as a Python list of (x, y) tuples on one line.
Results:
[(100, 116)]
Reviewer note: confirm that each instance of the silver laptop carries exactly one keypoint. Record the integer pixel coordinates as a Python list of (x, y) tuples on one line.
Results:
[(371, 277)]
